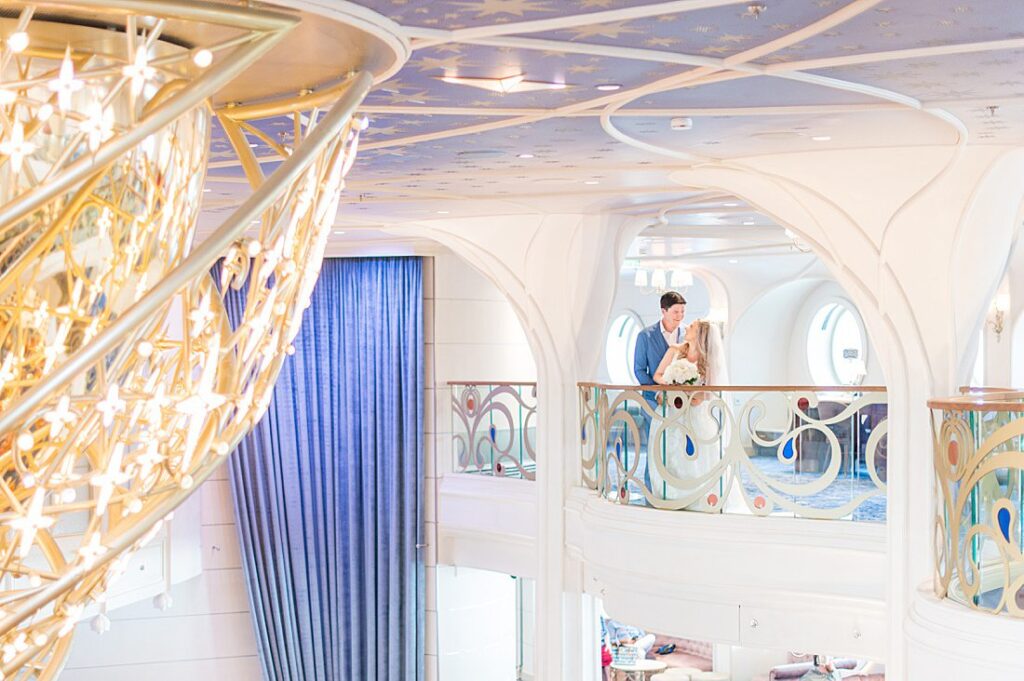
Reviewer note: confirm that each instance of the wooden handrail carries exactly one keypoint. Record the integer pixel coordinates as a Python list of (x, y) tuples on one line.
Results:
[(741, 388), (968, 389), (531, 383), (1011, 400)]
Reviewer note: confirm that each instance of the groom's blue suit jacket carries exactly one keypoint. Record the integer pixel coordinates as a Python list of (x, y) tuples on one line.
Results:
[(650, 349)]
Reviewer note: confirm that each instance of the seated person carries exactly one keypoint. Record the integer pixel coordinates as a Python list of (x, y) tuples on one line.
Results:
[(618, 634), (821, 670)]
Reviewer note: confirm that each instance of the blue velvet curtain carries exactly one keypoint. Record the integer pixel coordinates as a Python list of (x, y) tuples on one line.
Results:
[(328, 485)]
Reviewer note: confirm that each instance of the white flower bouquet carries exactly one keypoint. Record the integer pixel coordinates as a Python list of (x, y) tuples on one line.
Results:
[(682, 372)]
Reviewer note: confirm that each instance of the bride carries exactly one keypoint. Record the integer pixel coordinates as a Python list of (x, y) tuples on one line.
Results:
[(689, 442)]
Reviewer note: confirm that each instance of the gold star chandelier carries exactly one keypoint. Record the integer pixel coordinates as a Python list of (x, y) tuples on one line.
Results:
[(123, 381)]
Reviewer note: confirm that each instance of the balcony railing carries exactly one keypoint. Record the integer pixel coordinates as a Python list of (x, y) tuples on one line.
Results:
[(807, 451), (979, 471), (494, 428)]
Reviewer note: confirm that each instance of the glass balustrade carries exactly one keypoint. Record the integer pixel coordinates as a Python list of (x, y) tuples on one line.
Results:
[(815, 452), (979, 473), (494, 428)]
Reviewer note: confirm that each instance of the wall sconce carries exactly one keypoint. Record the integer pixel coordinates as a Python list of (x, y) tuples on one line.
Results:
[(997, 316)]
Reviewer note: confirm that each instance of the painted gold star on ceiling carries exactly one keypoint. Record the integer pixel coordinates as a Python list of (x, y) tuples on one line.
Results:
[(421, 97), (583, 68), (486, 8), (661, 42), (599, 4), (452, 63), (733, 38), (387, 131), (612, 30)]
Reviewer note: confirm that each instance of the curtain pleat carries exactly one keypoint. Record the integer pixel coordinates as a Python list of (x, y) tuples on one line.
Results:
[(328, 485)]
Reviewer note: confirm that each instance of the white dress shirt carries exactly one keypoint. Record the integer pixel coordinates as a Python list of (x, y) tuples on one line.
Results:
[(672, 337)]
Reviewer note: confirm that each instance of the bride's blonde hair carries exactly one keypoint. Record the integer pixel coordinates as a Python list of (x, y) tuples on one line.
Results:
[(700, 344)]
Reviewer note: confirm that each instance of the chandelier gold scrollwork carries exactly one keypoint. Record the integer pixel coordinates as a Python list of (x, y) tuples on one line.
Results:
[(123, 380)]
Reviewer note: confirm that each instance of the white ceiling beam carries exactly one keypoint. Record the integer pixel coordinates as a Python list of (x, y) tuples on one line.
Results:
[(807, 109)]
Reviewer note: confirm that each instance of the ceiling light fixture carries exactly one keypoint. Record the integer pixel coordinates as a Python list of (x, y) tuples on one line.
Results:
[(609, 87), (339, 232), (733, 261), (682, 279), (731, 204), (821, 138), (525, 156), (591, 182), (443, 212), (755, 10), (507, 85)]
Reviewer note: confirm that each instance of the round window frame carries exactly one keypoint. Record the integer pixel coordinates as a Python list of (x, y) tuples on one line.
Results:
[(850, 308), (629, 350)]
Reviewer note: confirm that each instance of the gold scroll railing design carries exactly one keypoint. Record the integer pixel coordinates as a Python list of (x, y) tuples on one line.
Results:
[(805, 451), (494, 428), (978, 455), (128, 372)]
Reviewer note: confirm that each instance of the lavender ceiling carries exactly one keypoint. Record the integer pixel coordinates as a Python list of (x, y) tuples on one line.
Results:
[(430, 140)]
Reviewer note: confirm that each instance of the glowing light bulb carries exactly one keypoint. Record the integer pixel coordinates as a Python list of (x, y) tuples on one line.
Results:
[(202, 58), (16, 147), (44, 113), (18, 42)]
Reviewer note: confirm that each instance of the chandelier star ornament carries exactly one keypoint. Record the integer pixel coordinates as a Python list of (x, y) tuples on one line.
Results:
[(65, 84), (16, 147)]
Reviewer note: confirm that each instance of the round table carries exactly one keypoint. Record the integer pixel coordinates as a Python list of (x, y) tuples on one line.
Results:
[(638, 670)]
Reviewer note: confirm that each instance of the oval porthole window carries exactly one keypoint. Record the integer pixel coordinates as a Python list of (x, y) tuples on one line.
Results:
[(836, 347), (619, 347)]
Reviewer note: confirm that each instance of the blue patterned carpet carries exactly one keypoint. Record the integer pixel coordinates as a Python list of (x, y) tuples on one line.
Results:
[(847, 486)]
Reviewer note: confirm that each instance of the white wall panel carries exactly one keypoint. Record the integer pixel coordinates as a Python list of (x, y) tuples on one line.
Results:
[(206, 635)]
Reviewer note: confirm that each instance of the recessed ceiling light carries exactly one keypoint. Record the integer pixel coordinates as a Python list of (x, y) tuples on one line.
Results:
[(733, 261), (525, 156), (609, 87), (730, 205), (821, 138), (339, 231), (748, 222), (207, 190), (443, 212), (591, 182)]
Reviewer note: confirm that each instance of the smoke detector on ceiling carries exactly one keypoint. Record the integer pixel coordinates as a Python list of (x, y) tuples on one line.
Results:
[(681, 123), (755, 10)]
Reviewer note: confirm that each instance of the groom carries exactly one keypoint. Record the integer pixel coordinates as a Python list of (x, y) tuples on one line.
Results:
[(653, 342), (651, 346)]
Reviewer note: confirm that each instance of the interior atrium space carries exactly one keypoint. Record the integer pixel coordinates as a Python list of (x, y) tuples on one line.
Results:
[(511, 340)]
